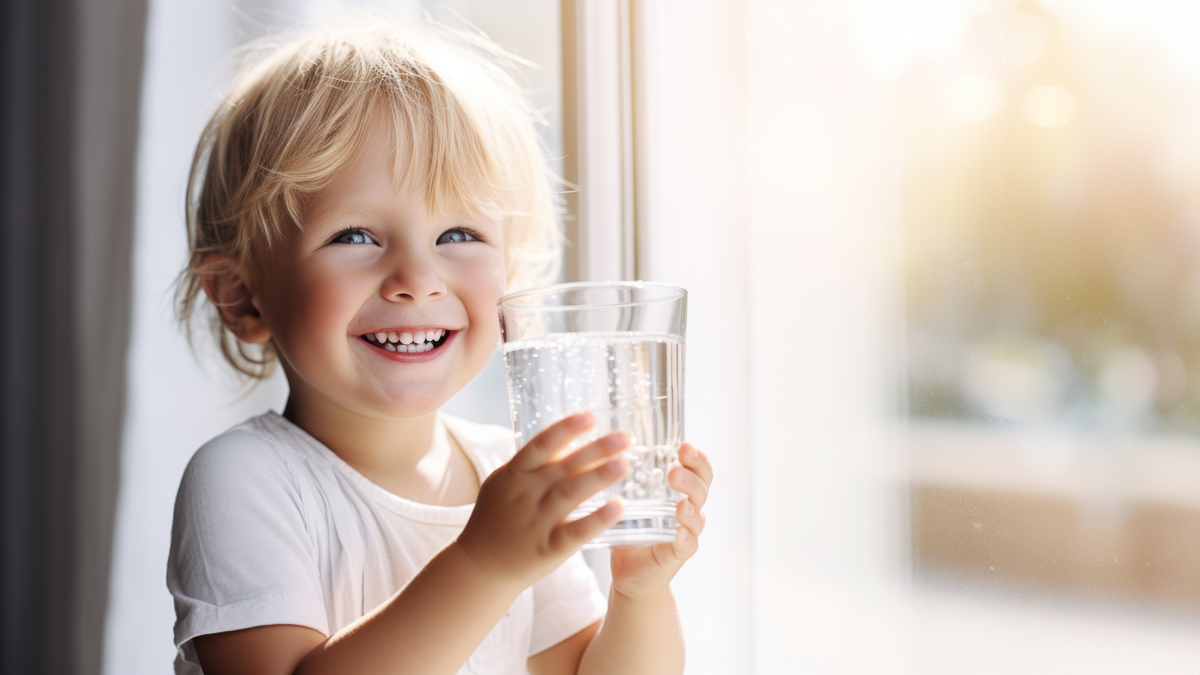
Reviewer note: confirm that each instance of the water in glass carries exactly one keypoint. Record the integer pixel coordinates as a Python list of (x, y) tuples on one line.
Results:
[(629, 381)]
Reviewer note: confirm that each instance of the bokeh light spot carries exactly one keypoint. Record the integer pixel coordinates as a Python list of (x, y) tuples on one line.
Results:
[(1049, 106), (973, 98)]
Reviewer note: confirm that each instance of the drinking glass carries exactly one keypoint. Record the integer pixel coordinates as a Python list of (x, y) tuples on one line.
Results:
[(615, 349)]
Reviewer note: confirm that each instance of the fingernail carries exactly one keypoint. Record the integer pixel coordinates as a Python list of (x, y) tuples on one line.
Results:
[(581, 420), (616, 440), (615, 467), (688, 509)]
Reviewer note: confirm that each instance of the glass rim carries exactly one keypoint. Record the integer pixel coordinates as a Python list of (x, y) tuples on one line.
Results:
[(675, 293)]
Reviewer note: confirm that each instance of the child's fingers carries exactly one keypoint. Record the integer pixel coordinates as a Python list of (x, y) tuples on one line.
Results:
[(542, 447), (689, 516), (569, 492), (579, 532), (689, 484), (673, 554), (596, 451), (697, 462), (685, 545)]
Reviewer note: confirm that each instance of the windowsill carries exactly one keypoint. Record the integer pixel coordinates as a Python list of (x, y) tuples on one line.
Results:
[(1094, 517), (1142, 469)]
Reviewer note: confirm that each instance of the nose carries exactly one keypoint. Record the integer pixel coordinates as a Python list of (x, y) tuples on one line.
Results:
[(413, 277)]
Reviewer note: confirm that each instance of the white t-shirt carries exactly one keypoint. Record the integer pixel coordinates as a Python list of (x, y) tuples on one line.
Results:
[(271, 527)]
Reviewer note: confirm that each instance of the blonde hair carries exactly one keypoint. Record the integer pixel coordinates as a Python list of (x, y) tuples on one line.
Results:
[(295, 116)]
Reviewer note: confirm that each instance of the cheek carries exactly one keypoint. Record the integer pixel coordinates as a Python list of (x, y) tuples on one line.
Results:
[(500, 279), (484, 277), (326, 306), (484, 285), (319, 308)]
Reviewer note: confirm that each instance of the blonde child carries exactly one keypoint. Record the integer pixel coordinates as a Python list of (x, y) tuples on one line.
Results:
[(357, 207)]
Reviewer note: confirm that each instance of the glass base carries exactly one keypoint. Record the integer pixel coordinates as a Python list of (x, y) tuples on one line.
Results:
[(640, 525)]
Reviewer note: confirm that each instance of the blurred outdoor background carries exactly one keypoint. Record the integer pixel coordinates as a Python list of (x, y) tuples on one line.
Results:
[(943, 259), (1051, 222)]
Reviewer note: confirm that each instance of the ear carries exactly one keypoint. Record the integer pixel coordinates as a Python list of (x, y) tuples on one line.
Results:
[(233, 296)]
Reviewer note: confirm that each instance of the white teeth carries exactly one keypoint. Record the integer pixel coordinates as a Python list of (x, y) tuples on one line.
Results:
[(412, 343)]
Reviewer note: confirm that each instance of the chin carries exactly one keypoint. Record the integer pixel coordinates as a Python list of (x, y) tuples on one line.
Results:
[(410, 404)]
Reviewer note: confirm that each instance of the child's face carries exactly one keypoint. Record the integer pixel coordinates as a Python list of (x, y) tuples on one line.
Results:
[(370, 262)]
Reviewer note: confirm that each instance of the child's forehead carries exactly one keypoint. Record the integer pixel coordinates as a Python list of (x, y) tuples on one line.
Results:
[(380, 171), (450, 166), (368, 192)]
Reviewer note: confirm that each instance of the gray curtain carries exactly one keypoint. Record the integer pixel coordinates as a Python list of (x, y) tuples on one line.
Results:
[(69, 95)]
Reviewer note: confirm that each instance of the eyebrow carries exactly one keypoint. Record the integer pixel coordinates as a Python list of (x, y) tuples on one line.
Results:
[(331, 213)]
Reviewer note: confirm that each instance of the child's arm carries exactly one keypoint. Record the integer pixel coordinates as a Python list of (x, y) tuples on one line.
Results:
[(516, 535), (641, 633)]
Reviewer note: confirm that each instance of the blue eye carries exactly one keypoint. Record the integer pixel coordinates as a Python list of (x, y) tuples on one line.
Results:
[(457, 236), (353, 236)]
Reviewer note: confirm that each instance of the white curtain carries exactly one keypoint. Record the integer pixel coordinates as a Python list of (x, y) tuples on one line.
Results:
[(768, 199)]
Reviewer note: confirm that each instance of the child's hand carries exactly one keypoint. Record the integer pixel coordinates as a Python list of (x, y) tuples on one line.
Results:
[(646, 570), (517, 532)]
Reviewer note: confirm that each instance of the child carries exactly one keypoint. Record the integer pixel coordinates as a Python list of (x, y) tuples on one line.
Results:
[(361, 201)]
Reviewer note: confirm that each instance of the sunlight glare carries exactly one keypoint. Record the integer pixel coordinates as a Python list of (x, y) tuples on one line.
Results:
[(973, 98), (1048, 106)]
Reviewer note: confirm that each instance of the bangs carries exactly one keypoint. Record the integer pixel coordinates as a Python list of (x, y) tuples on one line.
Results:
[(438, 152), (459, 153)]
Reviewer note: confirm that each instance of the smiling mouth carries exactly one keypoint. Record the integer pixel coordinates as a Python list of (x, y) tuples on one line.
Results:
[(412, 343)]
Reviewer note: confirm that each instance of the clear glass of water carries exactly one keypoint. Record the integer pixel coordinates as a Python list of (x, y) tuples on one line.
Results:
[(615, 349)]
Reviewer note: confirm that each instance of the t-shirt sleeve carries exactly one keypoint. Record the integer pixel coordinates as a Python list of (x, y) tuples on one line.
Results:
[(241, 555), (565, 602)]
